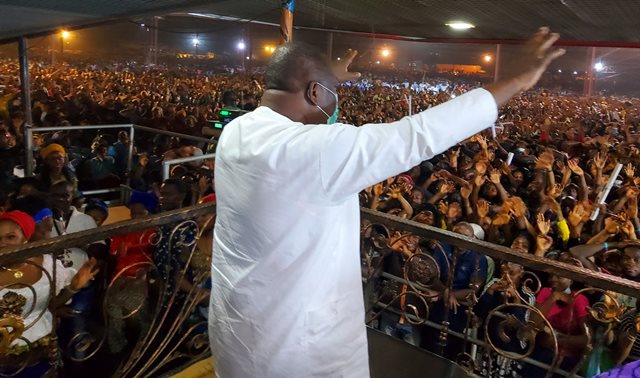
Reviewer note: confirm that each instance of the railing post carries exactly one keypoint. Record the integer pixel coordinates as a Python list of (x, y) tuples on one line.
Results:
[(130, 153), (25, 92), (165, 170), (166, 165)]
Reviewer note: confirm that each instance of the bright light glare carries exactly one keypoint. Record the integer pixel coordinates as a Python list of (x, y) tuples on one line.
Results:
[(460, 25), (65, 34), (195, 41), (247, 58), (338, 58), (599, 66), (386, 52), (269, 49), (559, 71), (377, 62), (487, 58), (241, 45), (575, 72)]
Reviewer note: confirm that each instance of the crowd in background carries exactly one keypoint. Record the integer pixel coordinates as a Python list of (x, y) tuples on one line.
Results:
[(533, 186)]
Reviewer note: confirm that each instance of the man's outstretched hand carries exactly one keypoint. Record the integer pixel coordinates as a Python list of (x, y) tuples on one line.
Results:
[(341, 67), (533, 61)]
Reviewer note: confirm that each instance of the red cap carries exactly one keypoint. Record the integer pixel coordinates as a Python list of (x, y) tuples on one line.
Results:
[(24, 220)]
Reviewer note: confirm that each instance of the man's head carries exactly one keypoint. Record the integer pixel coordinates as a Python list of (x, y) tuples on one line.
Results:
[(631, 261), (229, 99), (54, 156), (305, 82), (465, 229), (98, 210), (172, 194), (61, 197)]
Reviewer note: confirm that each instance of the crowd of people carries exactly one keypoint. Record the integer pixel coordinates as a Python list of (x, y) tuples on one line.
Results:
[(535, 186)]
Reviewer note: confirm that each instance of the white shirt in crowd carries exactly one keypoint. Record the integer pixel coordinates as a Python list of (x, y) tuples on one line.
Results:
[(38, 320), (287, 295), (78, 221)]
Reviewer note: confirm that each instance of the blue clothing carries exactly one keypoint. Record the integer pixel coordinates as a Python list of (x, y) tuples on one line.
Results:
[(468, 264), (120, 152), (168, 255)]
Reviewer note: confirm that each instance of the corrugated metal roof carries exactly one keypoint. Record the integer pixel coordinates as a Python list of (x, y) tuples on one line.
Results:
[(577, 20)]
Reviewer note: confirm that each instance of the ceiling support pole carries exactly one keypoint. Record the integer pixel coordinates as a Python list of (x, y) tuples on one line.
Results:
[(286, 21)]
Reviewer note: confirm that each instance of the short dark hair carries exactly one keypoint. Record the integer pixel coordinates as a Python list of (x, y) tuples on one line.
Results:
[(29, 204), (293, 65), (229, 98), (178, 184), (62, 184)]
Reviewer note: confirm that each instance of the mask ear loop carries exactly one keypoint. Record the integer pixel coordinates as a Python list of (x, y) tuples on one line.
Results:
[(318, 106), (335, 96)]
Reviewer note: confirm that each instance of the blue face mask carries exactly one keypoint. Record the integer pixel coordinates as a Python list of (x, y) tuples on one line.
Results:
[(333, 118)]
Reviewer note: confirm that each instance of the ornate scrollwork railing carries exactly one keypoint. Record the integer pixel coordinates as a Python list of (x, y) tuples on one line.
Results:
[(167, 335), (515, 330)]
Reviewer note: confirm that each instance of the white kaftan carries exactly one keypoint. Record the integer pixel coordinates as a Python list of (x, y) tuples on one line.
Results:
[(286, 297)]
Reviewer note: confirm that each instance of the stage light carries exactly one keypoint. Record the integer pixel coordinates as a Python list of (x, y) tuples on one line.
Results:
[(65, 34), (377, 62), (460, 25), (241, 45), (385, 52), (599, 66), (575, 72), (195, 41), (487, 58), (559, 71)]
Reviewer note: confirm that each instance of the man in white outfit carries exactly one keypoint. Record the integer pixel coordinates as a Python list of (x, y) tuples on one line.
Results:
[(286, 297)]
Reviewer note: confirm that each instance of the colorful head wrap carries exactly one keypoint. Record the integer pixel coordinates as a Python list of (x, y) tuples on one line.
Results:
[(95, 203), (53, 147), (24, 220)]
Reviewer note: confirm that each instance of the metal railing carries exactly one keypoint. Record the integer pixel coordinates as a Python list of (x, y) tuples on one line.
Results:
[(29, 131), (168, 331), (423, 291), (150, 301), (166, 165)]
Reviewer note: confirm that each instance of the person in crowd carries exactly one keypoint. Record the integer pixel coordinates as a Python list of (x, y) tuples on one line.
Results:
[(287, 189), (128, 293), (101, 168), (469, 274), (54, 168), (9, 156), (67, 219), (39, 210), (27, 287), (568, 315), (168, 251), (120, 153), (98, 210)]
